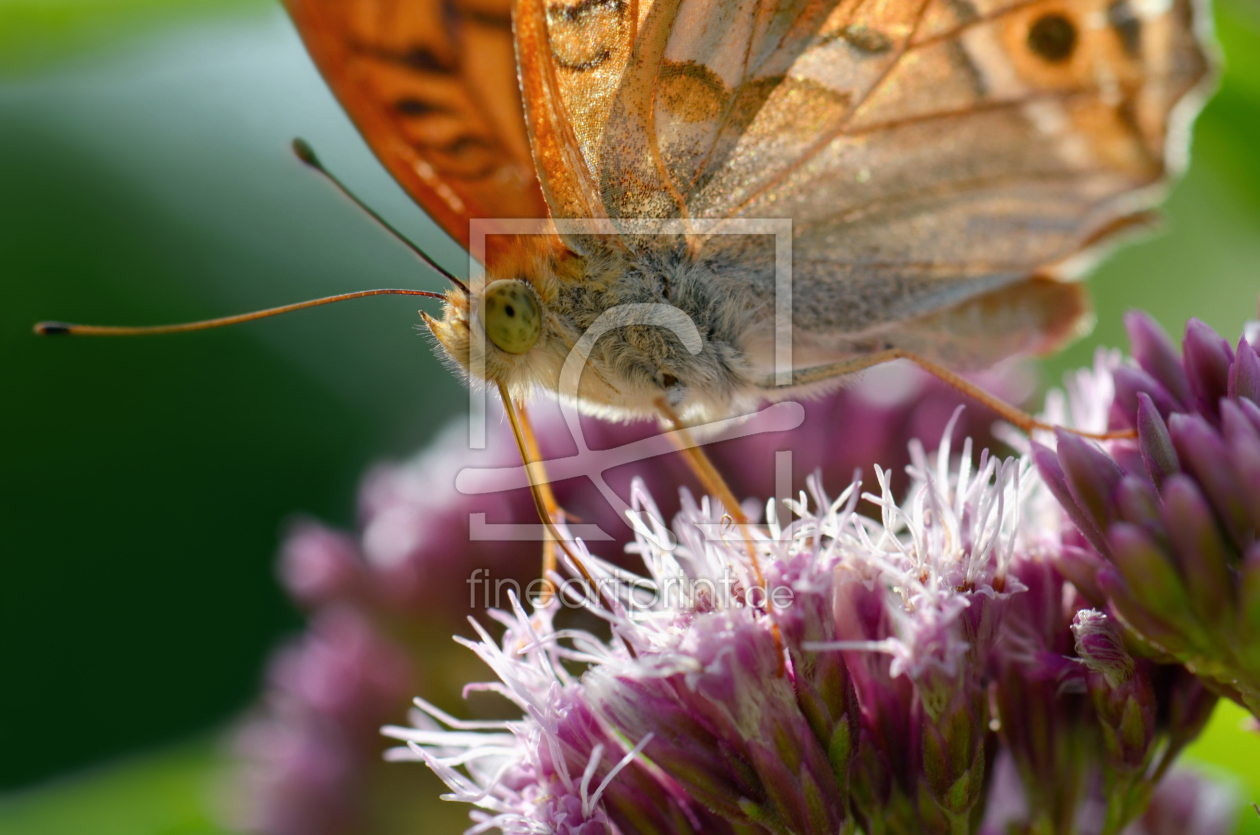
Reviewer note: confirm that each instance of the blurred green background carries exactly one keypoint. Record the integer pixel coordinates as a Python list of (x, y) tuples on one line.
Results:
[(145, 177)]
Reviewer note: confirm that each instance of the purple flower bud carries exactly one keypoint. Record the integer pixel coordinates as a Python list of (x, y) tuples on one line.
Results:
[(1202, 452), (1138, 503), (1157, 448), (1101, 647), (1173, 576), (1251, 411), (824, 689), (1080, 567), (1242, 444), (1154, 351), (1134, 383), (561, 767), (1244, 374), (1162, 637), (1041, 703), (1092, 477), (738, 692), (1150, 579), (1207, 359), (1124, 701), (1237, 428), (1048, 465), (1079, 732), (1203, 555)]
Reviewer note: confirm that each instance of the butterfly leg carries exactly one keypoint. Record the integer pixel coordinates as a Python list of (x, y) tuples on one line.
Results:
[(1018, 417), (717, 486), (712, 481), (544, 500), (554, 511)]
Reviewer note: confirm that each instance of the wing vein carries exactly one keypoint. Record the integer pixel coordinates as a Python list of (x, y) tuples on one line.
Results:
[(730, 106), (818, 147), (959, 186), (983, 107)]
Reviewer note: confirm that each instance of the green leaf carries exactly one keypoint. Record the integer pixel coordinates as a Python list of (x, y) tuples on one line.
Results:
[(1227, 746), (35, 33), (168, 793)]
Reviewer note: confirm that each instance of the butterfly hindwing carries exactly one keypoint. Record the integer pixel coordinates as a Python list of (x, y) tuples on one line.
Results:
[(432, 87)]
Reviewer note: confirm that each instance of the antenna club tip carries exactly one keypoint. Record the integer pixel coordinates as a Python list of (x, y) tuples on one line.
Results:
[(305, 152), (52, 328)]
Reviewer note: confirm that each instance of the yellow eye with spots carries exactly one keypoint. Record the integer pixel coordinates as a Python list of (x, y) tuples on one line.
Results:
[(510, 314)]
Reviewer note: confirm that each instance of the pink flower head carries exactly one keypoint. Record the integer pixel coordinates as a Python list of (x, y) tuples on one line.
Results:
[(855, 690), (755, 703), (406, 569)]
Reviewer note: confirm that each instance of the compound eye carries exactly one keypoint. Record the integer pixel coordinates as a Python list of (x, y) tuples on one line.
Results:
[(510, 313)]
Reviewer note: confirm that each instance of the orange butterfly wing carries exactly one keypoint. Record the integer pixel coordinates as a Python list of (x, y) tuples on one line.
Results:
[(432, 87)]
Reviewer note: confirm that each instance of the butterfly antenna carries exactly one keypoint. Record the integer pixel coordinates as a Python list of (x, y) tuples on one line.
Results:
[(306, 154), (66, 329)]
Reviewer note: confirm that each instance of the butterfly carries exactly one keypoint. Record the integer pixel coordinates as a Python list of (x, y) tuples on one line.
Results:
[(739, 201), (948, 169)]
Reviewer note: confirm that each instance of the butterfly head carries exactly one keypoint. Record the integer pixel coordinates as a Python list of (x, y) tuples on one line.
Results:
[(489, 334), (507, 331), (525, 327), (613, 329), (511, 316)]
